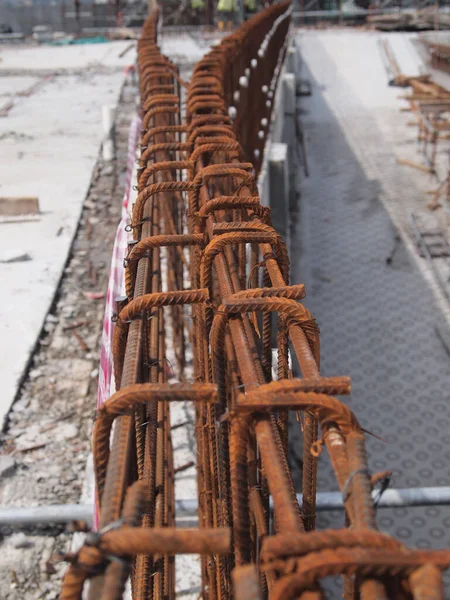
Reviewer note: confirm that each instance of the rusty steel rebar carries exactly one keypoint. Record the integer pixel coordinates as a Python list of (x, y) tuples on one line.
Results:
[(198, 218)]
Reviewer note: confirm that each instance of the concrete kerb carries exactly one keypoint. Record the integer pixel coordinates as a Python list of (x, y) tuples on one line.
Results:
[(279, 161)]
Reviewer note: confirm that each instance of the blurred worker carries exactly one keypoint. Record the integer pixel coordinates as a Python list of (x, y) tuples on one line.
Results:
[(76, 4), (227, 11), (249, 8), (197, 6)]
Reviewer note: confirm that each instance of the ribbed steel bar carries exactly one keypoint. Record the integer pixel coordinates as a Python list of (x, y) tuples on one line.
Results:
[(198, 218)]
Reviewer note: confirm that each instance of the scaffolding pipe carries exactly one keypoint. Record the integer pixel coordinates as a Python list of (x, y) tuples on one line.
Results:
[(326, 501), (46, 515)]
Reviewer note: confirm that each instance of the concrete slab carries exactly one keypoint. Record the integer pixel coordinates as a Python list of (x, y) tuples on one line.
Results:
[(185, 49), (406, 54), (10, 86), (49, 143), (51, 58)]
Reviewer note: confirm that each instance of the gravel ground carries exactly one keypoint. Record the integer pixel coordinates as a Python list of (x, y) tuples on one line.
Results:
[(45, 448)]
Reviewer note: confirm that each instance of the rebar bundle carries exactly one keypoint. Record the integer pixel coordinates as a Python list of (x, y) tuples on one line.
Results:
[(198, 219)]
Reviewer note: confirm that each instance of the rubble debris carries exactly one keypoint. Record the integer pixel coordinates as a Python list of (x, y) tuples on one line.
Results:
[(20, 540), (7, 465)]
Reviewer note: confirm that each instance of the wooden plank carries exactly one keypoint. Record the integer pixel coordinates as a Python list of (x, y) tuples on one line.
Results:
[(424, 99), (18, 205), (414, 165)]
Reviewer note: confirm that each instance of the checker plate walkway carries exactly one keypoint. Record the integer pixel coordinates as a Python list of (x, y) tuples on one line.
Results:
[(377, 320)]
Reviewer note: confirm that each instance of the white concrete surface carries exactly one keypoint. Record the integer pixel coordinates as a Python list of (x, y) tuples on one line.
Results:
[(181, 48), (52, 58), (49, 143), (406, 54), (10, 86)]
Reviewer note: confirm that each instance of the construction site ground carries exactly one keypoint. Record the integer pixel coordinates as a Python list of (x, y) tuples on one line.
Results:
[(378, 317)]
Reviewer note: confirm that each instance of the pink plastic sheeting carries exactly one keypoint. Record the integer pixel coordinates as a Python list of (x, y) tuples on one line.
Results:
[(116, 279)]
